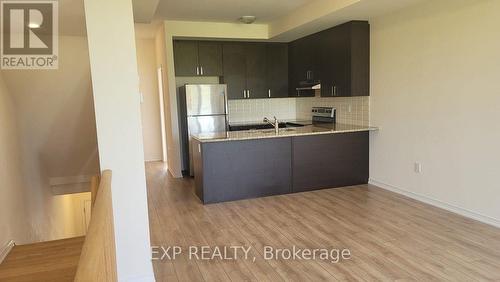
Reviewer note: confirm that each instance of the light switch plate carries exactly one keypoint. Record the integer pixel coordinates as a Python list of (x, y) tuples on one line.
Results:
[(418, 167)]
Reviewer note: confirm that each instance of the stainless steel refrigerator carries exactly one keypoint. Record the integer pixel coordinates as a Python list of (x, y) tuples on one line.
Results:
[(203, 109)]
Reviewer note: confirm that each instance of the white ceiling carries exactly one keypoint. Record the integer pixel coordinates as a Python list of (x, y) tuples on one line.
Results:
[(226, 10), (358, 10), (72, 13)]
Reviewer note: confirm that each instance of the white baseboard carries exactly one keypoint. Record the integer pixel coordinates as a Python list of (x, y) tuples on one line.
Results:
[(144, 278), (437, 203), (5, 250)]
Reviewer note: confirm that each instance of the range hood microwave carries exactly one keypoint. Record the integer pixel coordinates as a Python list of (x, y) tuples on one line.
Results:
[(309, 85)]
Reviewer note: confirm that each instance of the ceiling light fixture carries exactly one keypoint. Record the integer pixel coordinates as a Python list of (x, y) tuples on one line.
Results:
[(247, 19), (33, 25)]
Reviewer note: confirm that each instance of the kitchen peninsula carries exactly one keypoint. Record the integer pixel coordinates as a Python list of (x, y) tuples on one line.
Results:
[(319, 74), (237, 165)]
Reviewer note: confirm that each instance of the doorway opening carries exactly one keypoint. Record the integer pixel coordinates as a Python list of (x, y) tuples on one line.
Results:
[(162, 115)]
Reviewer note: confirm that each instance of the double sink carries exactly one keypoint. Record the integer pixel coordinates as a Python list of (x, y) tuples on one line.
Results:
[(287, 126)]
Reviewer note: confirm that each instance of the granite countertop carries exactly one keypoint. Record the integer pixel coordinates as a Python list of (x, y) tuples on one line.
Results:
[(284, 132)]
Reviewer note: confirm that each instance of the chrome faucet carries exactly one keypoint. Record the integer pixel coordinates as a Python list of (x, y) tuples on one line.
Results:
[(276, 124)]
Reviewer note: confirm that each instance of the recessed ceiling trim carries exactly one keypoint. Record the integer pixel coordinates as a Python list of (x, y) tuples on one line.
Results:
[(144, 10), (217, 30), (313, 17)]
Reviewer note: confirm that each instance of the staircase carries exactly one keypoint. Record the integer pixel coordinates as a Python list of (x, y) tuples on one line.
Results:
[(89, 258), (45, 261)]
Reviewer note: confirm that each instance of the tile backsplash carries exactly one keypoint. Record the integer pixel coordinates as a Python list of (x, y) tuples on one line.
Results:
[(350, 110), (256, 109)]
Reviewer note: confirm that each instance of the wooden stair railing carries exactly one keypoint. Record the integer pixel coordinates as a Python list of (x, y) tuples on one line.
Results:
[(98, 258), (94, 187)]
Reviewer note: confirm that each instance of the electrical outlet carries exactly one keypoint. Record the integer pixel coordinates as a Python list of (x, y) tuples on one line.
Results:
[(418, 167)]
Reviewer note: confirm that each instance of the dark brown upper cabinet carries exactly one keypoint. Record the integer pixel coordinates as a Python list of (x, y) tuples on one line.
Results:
[(338, 57), (244, 70), (186, 58), (256, 70), (197, 58), (234, 69), (345, 64), (210, 58), (304, 62), (277, 70)]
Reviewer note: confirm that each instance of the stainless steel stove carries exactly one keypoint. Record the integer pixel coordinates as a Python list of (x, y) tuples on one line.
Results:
[(324, 116)]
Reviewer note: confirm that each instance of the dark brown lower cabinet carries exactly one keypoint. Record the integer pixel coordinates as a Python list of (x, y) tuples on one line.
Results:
[(330, 161), (234, 170)]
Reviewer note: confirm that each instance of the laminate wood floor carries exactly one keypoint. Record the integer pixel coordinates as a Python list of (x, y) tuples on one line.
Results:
[(390, 237), (51, 261)]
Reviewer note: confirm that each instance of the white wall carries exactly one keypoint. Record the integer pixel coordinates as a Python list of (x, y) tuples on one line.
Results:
[(56, 112), (57, 136), (435, 95), (150, 108), (173, 160), (174, 151), (13, 214), (111, 39)]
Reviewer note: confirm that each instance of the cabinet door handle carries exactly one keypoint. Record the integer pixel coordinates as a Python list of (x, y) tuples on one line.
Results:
[(197, 70), (309, 75), (269, 93), (201, 70), (244, 93), (248, 93)]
